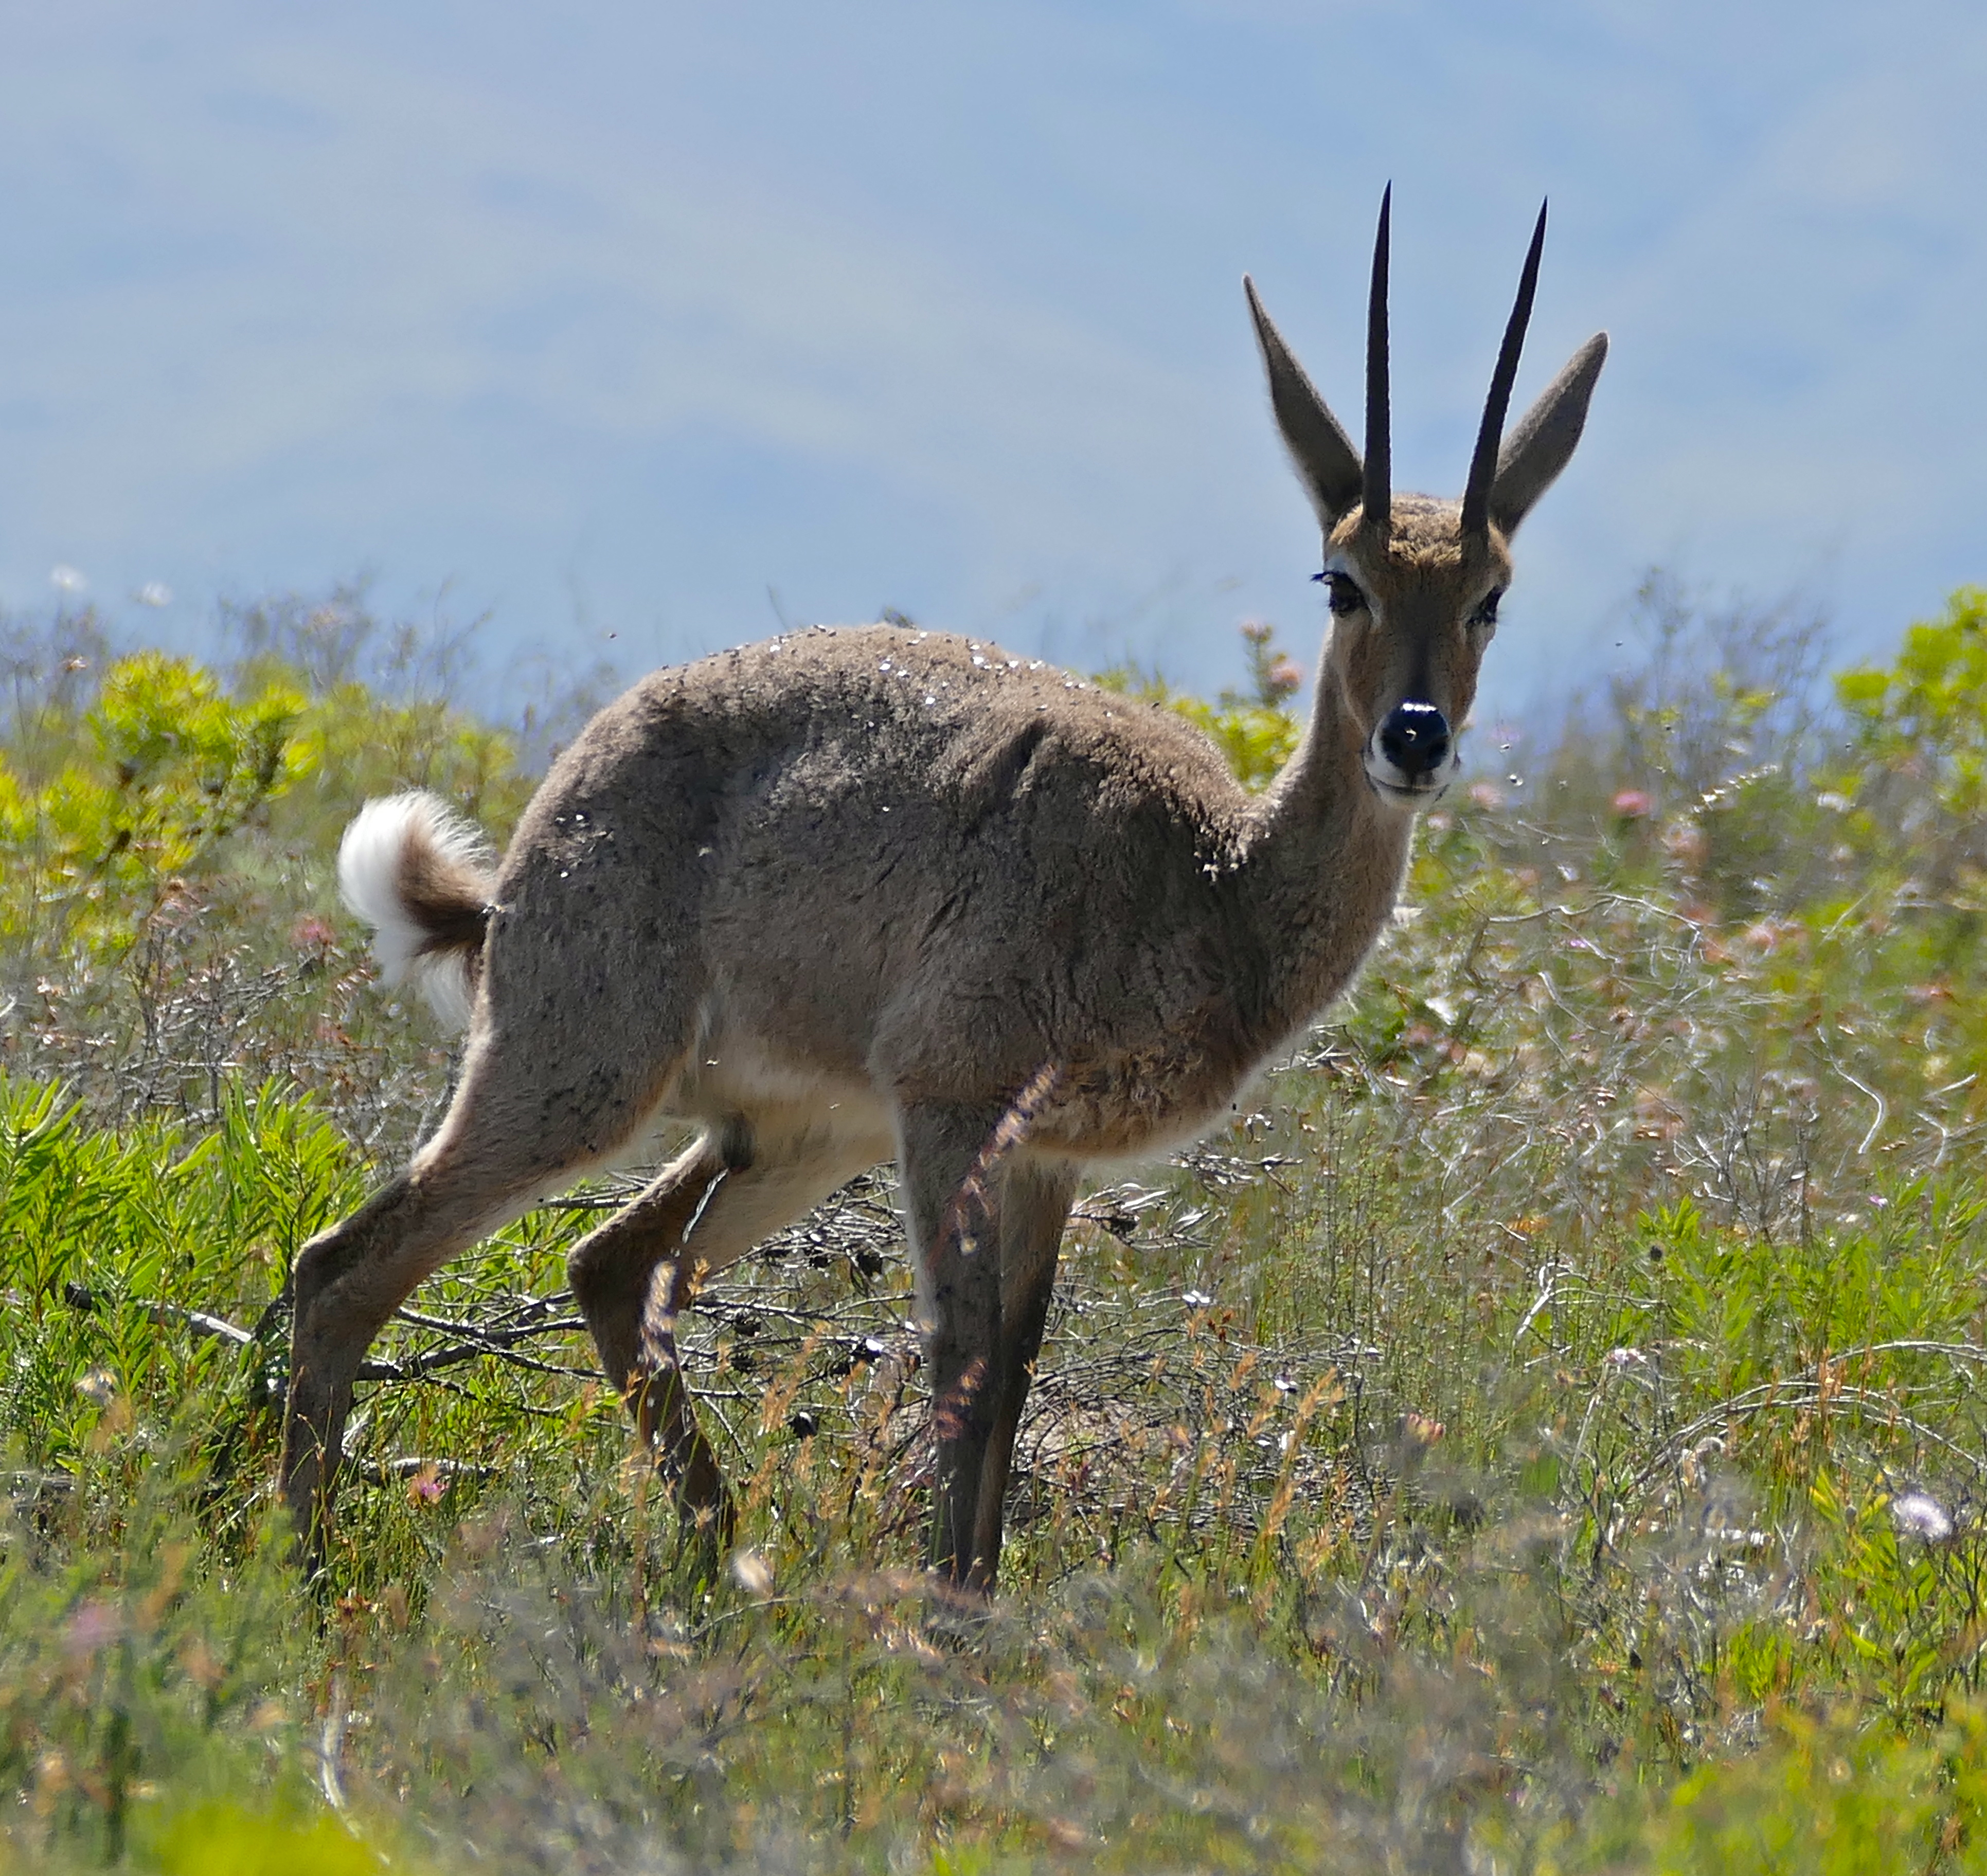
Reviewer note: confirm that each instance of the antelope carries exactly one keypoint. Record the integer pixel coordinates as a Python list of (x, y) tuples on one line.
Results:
[(864, 894)]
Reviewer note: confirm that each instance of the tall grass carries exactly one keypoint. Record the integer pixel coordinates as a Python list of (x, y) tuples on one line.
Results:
[(1543, 1432)]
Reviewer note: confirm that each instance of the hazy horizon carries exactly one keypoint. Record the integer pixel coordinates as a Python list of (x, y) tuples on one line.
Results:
[(629, 326)]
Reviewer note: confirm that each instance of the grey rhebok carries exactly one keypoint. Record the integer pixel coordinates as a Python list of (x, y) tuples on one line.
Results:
[(874, 892)]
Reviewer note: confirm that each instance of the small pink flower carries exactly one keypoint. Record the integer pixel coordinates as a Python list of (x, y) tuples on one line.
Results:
[(1632, 802), (91, 1626), (1486, 795), (427, 1485), (312, 933), (1418, 1429)]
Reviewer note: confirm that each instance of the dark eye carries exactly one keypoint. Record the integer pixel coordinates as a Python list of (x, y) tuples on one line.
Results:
[(1486, 613), (1342, 594)]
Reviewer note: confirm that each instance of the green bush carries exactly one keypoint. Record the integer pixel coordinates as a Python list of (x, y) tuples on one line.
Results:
[(1542, 1431), (1254, 728)]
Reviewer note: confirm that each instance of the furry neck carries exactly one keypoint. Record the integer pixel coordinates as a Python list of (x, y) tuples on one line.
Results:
[(1322, 867)]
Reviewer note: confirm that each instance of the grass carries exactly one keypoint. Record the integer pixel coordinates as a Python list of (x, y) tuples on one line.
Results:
[(1543, 1433)]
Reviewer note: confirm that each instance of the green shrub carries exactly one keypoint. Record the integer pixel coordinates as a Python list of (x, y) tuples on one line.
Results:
[(1254, 728), (1542, 1431)]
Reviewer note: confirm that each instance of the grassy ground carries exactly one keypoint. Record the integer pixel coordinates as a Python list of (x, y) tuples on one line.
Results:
[(1544, 1432)]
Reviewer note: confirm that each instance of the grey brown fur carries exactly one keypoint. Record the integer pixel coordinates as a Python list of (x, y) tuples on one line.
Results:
[(841, 897)]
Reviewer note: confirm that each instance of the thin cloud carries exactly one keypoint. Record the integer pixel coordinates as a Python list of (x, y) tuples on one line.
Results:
[(667, 304)]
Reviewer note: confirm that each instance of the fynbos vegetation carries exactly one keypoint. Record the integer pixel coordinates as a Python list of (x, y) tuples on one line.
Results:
[(1543, 1432)]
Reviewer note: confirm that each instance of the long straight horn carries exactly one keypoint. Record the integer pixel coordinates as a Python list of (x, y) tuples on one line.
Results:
[(1490, 435), (1376, 494)]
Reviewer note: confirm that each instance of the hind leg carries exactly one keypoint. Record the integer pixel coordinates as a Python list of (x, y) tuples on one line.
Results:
[(348, 1283), (631, 1282), (633, 1277), (507, 1138)]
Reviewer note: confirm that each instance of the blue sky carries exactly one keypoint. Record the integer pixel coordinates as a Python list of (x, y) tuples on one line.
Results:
[(608, 318)]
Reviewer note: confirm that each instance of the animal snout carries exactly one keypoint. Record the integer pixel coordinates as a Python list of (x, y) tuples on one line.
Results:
[(1414, 739)]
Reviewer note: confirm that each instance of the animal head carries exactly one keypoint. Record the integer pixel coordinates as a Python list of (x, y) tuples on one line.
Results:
[(1413, 582)]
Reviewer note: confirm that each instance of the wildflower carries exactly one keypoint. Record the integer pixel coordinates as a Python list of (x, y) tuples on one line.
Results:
[(1418, 1430), (426, 1486), (98, 1386), (1632, 803), (1919, 1515), (91, 1626)]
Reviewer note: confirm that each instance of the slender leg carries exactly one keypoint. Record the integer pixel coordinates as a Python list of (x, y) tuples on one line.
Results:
[(348, 1282), (641, 1269), (1035, 1208), (613, 1270), (523, 1119), (956, 1250)]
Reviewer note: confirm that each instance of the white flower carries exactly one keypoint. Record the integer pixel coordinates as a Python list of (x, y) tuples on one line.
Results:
[(66, 579), (1918, 1514)]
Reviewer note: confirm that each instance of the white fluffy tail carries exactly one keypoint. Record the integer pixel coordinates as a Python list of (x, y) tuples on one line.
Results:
[(421, 876)]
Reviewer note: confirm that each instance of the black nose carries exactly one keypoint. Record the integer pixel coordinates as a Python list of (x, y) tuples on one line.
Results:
[(1414, 739)]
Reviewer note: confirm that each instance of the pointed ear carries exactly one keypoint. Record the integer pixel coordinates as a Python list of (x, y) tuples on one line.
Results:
[(1325, 459), (1538, 448)]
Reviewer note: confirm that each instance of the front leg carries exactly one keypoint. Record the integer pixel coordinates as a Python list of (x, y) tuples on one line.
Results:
[(1034, 1206), (955, 1234)]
